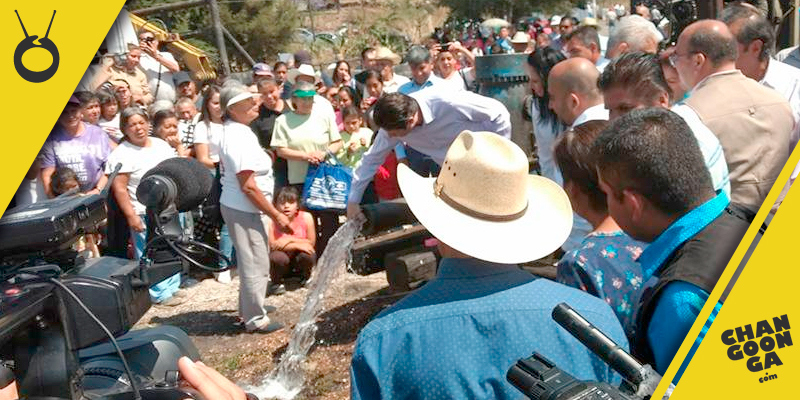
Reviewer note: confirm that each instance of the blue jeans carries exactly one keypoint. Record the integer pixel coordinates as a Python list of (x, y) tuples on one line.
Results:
[(226, 246), (163, 290)]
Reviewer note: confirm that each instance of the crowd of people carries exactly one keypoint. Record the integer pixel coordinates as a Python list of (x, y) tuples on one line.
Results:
[(652, 162)]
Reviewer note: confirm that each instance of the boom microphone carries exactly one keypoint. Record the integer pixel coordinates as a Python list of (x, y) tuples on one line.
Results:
[(600, 344), (183, 181)]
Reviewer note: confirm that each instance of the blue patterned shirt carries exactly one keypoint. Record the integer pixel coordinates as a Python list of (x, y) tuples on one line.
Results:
[(457, 336), (605, 265)]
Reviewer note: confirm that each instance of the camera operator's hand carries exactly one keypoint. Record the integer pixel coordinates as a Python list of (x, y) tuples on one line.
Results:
[(210, 383)]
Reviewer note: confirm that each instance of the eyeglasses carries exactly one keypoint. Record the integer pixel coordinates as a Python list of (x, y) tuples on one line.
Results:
[(674, 57), (147, 39)]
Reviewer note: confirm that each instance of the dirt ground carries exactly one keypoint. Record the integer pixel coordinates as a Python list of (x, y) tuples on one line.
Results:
[(209, 317)]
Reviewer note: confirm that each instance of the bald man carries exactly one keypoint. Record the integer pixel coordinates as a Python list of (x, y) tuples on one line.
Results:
[(574, 96), (576, 99), (752, 122)]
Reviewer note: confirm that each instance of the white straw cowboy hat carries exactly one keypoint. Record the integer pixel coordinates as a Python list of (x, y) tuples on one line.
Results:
[(520, 38), (383, 53), (486, 205), (303, 69)]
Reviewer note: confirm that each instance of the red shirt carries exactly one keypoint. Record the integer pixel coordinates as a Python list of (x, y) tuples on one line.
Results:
[(385, 179)]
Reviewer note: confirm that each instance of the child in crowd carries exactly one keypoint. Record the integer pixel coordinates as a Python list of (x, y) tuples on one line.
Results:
[(356, 138), (165, 127), (374, 90), (332, 94), (63, 181), (109, 115), (347, 97), (291, 252)]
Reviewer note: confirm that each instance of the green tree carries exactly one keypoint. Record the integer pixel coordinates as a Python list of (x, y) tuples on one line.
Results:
[(511, 9), (262, 27)]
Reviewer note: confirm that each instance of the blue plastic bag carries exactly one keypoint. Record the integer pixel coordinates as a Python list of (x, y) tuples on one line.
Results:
[(327, 186)]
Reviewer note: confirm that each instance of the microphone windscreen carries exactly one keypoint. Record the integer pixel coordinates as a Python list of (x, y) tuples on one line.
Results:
[(191, 178)]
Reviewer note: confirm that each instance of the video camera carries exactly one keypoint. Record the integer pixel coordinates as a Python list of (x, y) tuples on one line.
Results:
[(540, 379), (65, 320)]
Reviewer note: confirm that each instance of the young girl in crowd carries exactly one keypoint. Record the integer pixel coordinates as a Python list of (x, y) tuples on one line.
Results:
[(374, 89), (356, 138), (63, 181), (207, 140), (137, 154), (165, 127), (109, 115), (604, 264), (348, 97), (291, 252)]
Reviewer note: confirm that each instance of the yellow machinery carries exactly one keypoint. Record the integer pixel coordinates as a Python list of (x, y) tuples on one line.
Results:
[(195, 59)]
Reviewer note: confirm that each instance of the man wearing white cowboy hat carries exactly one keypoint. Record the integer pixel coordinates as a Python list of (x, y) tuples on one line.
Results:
[(427, 121), (458, 335), (385, 60), (520, 42)]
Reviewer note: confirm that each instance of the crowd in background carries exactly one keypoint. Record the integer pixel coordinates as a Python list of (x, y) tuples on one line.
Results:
[(734, 109)]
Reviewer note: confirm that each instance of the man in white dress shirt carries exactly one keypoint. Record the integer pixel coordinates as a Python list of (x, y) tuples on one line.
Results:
[(575, 98), (427, 121), (756, 42)]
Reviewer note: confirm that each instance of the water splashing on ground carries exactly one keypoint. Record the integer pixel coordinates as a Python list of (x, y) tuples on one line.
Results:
[(286, 381)]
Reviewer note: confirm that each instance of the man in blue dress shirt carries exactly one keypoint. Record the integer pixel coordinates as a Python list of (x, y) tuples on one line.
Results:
[(456, 337), (659, 191)]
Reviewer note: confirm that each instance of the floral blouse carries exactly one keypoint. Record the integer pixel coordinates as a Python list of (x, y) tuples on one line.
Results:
[(605, 265)]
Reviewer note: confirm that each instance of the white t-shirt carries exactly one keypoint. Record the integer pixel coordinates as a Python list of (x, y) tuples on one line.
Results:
[(151, 68), (456, 81), (210, 134), (111, 128), (136, 161), (240, 151)]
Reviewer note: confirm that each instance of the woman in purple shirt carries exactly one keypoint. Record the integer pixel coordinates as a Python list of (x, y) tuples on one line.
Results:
[(76, 145)]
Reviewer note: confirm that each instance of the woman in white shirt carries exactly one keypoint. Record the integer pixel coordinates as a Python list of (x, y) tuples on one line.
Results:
[(246, 203), (138, 152), (207, 138), (546, 126)]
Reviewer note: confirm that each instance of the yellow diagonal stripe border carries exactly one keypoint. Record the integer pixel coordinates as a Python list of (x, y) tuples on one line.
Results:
[(715, 295), (30, 110)]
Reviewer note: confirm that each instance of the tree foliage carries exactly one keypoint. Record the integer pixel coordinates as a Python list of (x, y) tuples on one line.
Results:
[(262, 27), (510, 9)]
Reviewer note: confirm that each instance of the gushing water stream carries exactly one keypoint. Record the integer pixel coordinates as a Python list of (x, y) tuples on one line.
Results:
[(286, 381)]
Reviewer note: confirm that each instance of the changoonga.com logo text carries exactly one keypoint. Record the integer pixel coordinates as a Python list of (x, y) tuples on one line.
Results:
[(760, 343)]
